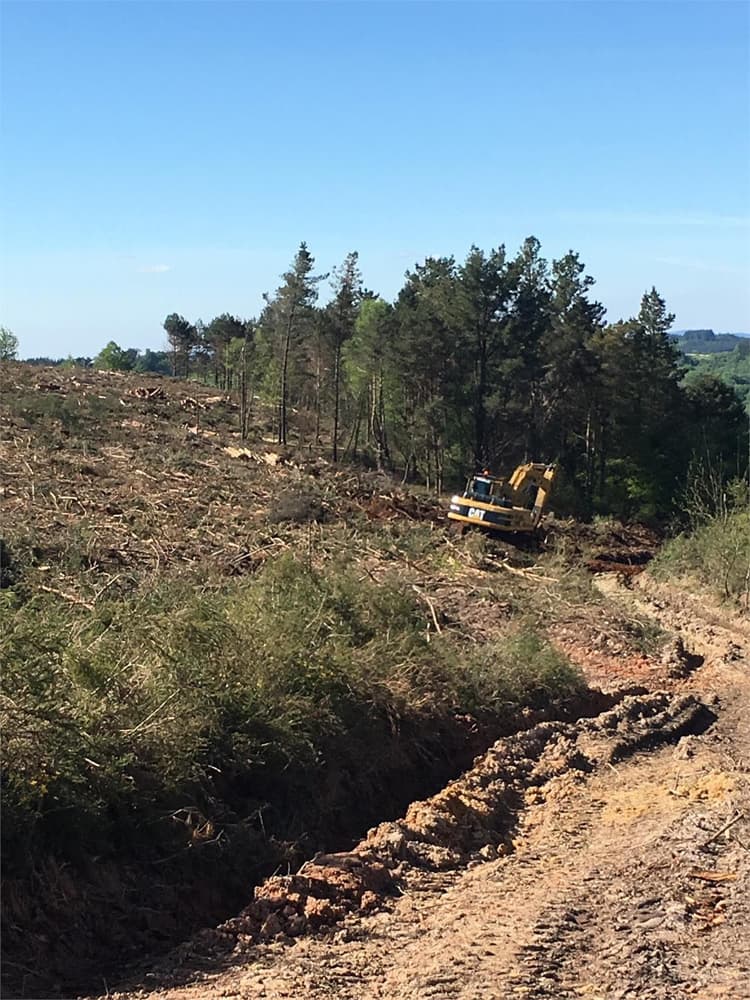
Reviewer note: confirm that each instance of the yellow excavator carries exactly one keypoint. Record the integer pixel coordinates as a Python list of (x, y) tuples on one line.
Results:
[(502, 505)]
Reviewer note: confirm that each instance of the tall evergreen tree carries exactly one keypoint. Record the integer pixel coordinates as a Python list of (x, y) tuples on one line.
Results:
[(341, 317), (288, 317), (218, 335), (568, 408), (181, 336), (641, 373), (427, 353), (717, 432), (365, 359), (486, 297), (523, 367)]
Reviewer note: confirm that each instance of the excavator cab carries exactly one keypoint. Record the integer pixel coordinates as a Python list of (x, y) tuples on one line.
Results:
[(479, 487), (501, 505)]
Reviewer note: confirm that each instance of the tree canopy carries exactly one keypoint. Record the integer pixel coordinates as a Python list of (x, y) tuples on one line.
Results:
[(8, 345)]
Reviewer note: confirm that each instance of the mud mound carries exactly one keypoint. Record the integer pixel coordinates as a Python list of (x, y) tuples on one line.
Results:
[(476, 813), (319, 895), (473, 817)]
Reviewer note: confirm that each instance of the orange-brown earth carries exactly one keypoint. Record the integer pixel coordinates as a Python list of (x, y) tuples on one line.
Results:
[(604, 859)]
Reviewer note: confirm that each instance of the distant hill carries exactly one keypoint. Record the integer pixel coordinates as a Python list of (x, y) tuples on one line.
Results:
[(706, 341)]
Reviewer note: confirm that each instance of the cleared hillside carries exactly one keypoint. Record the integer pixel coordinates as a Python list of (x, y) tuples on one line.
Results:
[(221, 657)]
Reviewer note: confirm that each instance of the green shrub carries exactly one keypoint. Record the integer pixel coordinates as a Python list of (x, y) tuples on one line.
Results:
[(717, 553), (228, 699), (524, 670)]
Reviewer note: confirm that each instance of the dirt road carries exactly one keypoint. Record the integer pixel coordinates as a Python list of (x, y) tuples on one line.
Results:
[(607, 859)]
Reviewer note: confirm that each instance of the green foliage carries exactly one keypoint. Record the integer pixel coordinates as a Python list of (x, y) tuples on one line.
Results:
[(705, 342), (525, 670), (226, 350), (69, 362), (182, 337), (286, 328), (151, 361), (8, 344), (497, 360), (716, 553), (112, 718), (427, 369), (716, 547), (642, 412), (731, 367), (114, 359), (339, 322), (364, 360)]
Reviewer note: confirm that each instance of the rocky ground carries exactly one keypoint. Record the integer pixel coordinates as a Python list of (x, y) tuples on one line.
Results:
[(607, 858)]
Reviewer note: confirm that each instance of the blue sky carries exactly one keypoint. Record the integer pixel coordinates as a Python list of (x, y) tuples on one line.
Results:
[(162, 157)]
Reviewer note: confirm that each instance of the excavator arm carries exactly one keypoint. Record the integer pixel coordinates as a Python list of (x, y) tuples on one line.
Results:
[(532, 481)]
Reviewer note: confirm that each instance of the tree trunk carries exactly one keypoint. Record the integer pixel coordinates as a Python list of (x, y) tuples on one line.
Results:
[(336, 394), (353, 443), (243, 393), (480, 413), (318, 390), (284, 388)]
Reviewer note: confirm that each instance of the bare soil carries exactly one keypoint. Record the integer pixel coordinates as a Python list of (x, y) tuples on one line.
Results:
[(607, 858)]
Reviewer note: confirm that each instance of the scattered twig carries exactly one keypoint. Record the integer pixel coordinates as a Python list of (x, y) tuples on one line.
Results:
[(430, 605), (142, 723), (529, 574), (68, 597), (712, 876), (724, 829)]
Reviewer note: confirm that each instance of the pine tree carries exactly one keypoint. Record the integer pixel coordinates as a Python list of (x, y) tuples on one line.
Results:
[(430, 363), (288, 317), (341, 317), (646, 407), (181, 335), (568, 407), (486, 296), (365, 361)]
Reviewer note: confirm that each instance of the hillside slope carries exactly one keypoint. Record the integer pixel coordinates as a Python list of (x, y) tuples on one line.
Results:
[(224, 659)]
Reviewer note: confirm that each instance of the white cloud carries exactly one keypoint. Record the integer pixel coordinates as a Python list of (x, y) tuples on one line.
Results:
[(701, 265), (706, 219), (154, 268)]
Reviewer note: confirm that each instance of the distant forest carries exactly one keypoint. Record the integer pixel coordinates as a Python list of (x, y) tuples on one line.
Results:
[(499, 358), (708, 342)]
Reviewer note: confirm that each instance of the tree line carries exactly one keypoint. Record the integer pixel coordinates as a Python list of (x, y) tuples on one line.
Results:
[(488, 361), (495, 359)]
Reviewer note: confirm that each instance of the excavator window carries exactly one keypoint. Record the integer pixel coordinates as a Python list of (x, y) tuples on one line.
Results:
[(480, 486)]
